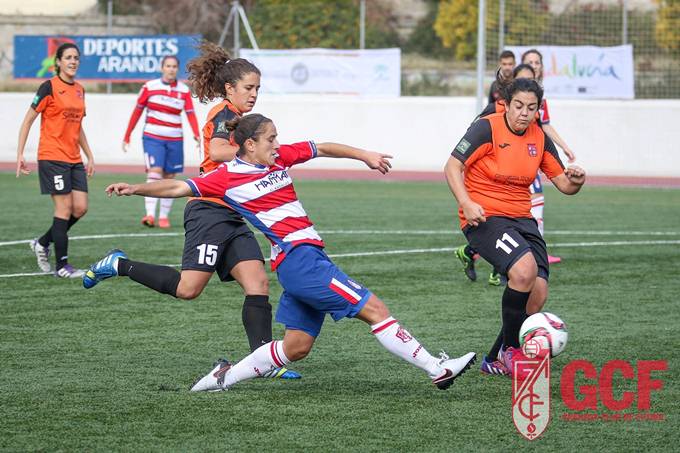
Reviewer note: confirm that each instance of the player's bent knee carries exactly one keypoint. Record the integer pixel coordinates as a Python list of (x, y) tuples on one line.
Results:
[(374, 311), (188, 291)]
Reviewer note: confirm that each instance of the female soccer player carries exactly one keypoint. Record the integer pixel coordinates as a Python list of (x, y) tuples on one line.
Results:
[(534, 58), (465, 253), (257, 184), (216, 238), (61, 102), (489, 173), (164, 100)]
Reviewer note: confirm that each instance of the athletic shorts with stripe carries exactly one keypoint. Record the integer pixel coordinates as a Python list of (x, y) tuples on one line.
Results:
[(216, 239), (60, 178), (167, 154), (503, 240), (312, 287)]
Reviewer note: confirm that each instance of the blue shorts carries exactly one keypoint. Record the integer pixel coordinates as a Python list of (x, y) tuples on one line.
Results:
[(313, 286), (537, 185), (167, 154)]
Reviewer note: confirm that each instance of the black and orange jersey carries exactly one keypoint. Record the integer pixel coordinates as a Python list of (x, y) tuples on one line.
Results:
[(500, 165), (62, 106), (216, 127)]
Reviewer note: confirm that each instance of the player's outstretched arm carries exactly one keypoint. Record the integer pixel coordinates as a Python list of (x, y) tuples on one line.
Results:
[(374, 160), (571, 181), (166, 188)]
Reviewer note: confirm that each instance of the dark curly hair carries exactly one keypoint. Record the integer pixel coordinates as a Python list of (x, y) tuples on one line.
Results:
[(213, 68)]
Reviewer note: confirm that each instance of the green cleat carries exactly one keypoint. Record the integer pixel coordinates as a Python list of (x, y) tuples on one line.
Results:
[(468, 263), (496, 279)]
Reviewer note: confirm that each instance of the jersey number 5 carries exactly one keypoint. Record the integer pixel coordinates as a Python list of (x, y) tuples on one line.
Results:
[(501, 243), (207, 254), (59, 182)]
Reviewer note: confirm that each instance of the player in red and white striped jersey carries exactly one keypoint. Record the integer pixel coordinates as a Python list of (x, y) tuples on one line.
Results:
[(257, 184), (164, 100)]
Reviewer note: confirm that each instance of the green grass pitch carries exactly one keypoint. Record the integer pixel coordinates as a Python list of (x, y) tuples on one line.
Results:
[(108, 369)]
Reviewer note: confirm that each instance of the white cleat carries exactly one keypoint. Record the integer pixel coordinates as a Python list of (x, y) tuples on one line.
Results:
[(452, 368), (213, 381), (69, 271), (42, 254)]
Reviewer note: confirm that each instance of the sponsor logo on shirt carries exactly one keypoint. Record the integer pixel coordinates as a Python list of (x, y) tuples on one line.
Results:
[(462, 146), (273, 181)]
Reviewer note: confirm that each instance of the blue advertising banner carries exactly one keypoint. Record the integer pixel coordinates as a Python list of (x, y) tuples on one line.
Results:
[(115, 58)]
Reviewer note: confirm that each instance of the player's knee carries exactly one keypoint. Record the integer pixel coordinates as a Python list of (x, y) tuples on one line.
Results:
[(79, 211), (298, 351), (188, 291), (523, 274)]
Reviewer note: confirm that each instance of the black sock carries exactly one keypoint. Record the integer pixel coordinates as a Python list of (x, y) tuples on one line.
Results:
[(46, 238), (257, 320), (59, 229), (163, 279), (495, 349), (514, 307), (469, 251)]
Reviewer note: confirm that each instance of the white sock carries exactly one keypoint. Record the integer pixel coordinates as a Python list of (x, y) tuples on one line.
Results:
[(150, 202), (166, 204), (399, 342), (537, 211), (262, 360)]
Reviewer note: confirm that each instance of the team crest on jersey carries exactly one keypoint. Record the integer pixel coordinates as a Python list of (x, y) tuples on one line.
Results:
[(403, 335), (531, 147)]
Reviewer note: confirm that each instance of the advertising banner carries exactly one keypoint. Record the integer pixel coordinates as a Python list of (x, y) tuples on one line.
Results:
[(585, 72), (372, 72), (119, 58)]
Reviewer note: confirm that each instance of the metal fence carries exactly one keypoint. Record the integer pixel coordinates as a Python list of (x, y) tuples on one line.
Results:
[(656, 50)]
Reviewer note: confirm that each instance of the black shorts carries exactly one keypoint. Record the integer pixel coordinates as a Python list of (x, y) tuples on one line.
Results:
[(60, 178), (216, 239), (503, 240)]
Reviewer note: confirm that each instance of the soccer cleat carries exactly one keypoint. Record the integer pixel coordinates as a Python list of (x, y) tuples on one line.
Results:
[(148, 221), (452, 368), (554, 259), (163, 222), (497, 279), (468, 263), (213, 381), (42, 254), (106, 267), (495, 367), (68, 271), (512, 355), (282, 373)]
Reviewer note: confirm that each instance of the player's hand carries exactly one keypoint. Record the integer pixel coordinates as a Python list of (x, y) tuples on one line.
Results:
[(90, 168), (120, 189), (22, 168), (126, 146), (474, 213), (576, 174), (571, 157), (378, 161)]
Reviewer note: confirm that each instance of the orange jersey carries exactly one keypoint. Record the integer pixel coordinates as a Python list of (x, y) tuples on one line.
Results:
[(500, 165), (216, 127), (62, 108)]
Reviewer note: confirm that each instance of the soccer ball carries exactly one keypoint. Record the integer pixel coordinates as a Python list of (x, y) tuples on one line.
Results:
[(543, 332)]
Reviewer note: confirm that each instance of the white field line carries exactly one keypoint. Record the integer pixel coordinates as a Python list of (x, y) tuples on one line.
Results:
[(374, 232), (433, 250)]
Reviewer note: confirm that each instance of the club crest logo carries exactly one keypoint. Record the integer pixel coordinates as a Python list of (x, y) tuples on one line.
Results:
[(403, 335), (531, 147), (531, 396)]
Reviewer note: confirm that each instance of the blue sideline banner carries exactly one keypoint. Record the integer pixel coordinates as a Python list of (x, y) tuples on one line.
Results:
[(115, 58)]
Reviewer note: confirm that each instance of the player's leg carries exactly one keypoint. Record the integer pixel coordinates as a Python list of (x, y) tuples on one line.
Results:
[(256, 314), (466, 254), (174, 163), (154, 157), (537, 205)]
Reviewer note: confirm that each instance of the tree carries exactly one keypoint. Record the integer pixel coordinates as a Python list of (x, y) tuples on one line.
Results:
[(526, 21), (667, 28)]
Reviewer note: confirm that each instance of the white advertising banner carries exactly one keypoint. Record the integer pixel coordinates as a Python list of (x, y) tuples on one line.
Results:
[(371, 72), (586, 72)]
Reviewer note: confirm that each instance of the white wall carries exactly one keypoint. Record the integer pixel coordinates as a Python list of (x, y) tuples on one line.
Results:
[(618, 138)]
